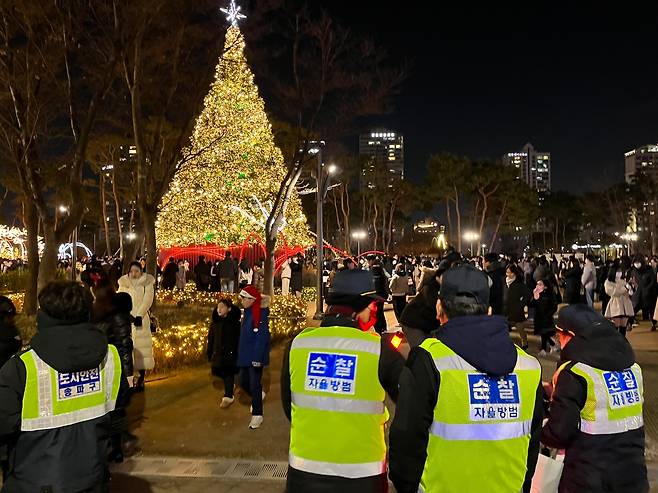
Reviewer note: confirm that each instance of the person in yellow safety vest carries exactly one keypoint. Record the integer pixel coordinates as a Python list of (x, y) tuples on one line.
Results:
[(596, 407), (56, 396), (469, 412), (333, 384)]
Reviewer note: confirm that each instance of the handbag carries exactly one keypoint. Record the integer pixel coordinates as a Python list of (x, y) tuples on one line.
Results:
[(548, 473), (153, 320)]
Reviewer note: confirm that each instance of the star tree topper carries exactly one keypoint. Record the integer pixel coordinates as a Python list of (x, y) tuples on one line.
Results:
[(233, 14)]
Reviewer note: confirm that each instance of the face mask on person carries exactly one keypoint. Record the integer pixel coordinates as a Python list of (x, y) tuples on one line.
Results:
[(618, 275), (637, 265)]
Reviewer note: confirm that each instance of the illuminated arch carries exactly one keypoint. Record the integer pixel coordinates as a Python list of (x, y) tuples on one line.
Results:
[(65, 250)]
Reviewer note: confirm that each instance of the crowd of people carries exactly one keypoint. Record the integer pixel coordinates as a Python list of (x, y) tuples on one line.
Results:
[(230, 275), (465, 389), (529, 290), (92, 350), (472, 413), (12, 264)]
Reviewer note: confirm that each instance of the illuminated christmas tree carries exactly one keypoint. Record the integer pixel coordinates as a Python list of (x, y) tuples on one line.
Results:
[(224, 194)]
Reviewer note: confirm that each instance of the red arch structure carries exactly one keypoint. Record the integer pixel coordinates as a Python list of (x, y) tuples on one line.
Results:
[(252, 248)]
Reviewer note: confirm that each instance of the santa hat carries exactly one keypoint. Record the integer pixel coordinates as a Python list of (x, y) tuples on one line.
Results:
[(251, 293)]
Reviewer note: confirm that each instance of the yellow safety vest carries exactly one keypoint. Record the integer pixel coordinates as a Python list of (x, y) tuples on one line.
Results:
[(614, 399), (480, 435), (53, 400), (338, 411)]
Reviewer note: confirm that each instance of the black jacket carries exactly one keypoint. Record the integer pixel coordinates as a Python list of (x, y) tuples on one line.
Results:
[(391, 364), (227, 269), (517, 296), (545, 307), (169, 275), (484, 343), (296, 276), (572, 285), (202, 272), (10, 342), (496, 272), (69, 459), (645, 295), (611, 463), (223, 341), (381, 281), (118, 329)]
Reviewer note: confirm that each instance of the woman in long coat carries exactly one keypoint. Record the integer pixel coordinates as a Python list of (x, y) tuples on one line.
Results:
[(140, 286)]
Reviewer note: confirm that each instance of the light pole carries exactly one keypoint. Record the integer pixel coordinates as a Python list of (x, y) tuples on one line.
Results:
[(358, 236), (322, 178), (471, 236), (629, 237)]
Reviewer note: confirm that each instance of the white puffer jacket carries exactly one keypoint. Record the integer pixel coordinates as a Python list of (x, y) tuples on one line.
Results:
[(141, 291)]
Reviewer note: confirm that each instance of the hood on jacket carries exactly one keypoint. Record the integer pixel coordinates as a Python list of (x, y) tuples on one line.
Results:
[(596, 341), (483, 341), (69, 347), (420, 313), (128, 282), (494, 266), (8, 331), (122, 302)]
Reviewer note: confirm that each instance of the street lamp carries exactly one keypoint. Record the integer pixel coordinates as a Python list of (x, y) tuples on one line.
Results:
[(629, 237), (359, 236), (322, 179), (471, 236)]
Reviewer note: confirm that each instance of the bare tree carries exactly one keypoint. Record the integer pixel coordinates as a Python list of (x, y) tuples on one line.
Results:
[(448, 179), (332, 78), (65, 58), (167, 62)]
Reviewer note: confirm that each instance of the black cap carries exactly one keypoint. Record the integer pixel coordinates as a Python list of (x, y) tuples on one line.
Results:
[(579, 319), (465, 283), (354, 282), (451, 258), (491, 257)]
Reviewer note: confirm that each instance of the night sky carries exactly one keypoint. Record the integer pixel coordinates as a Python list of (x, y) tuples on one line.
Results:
[(581, 84)]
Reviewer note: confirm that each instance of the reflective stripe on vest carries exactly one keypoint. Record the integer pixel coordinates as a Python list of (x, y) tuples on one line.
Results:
[(481, 431), (338, 344), (54, 400), (609, 411), (338, 412), (454, 362), (338, 405), (479, 416), (352, 471)]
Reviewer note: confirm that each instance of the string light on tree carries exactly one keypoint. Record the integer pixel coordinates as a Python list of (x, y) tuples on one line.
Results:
[(221, 195)]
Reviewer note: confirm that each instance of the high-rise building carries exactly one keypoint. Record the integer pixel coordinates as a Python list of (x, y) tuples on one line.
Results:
[(643, 159), (533, 167), (127, 157), (383, 148)]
